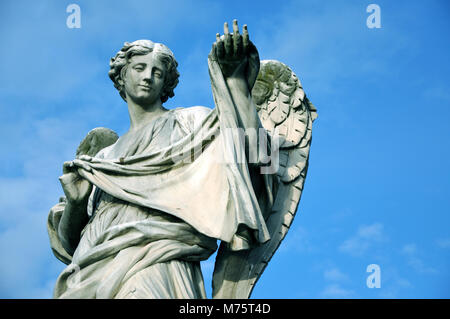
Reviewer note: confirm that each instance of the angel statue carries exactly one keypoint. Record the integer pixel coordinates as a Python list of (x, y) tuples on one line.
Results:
[(142, 210)]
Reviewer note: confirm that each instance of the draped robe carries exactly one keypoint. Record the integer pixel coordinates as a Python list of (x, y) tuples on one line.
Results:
[(162, 198)]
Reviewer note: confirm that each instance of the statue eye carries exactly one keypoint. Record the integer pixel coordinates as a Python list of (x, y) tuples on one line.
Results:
[(158, 74), (139, 68)]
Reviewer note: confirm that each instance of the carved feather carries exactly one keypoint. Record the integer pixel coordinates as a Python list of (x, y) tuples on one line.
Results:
[(96, 140)]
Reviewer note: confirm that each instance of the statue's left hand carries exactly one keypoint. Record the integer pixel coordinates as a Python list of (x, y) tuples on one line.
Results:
[(231, 50)]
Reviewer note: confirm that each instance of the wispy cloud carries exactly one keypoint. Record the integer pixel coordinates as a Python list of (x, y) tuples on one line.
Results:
[(28, 268), (299, 240), (443, 243), (438, 93), (55, 88), (321, 53), (415, 261), (365, 238), (334, 274), (335, 291), (409, 249), (393, 283), (334, 287), (25, 268)]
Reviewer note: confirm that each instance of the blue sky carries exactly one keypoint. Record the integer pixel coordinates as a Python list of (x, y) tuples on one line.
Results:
[(378, 183)]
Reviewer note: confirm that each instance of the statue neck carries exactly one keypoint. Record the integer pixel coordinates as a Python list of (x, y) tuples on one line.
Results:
[(141, 115)]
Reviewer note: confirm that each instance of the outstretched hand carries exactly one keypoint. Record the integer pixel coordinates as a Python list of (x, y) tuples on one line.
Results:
[(231, 50)]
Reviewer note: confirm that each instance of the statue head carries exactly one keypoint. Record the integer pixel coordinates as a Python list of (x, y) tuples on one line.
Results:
[(120, 63)]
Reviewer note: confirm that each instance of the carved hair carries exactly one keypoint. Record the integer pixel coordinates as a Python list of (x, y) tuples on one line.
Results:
[(119, 63)]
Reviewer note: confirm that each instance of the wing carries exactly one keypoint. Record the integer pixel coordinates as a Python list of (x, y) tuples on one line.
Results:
[(287, 115), (96, 140)]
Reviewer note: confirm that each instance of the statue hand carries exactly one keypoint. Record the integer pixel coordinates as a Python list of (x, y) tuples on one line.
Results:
[(76, 188), (231, 50)]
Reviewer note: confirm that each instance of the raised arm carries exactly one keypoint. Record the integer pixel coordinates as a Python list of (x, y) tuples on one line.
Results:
[(232, 51)]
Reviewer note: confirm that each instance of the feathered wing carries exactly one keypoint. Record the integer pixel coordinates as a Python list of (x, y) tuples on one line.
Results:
[(287, 114), (96, 140)]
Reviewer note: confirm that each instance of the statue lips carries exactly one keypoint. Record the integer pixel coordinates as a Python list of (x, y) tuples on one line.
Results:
[(145, 87)]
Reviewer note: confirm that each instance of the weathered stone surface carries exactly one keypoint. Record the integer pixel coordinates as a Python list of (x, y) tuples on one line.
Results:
[(141, 210)]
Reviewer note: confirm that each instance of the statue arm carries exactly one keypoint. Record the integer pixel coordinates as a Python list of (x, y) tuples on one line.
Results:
[(72, 222), (232, 51), (64, 225), (54, 217), (74, 217), (68, 218), (238, 60), (245, 109)]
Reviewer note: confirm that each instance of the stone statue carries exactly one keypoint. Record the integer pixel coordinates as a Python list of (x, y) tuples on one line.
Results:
[(141, 211)]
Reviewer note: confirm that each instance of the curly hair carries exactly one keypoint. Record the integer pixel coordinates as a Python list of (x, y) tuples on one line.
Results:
[(119, 63)]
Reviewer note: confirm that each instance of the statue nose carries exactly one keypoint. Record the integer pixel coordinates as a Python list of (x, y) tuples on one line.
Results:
[(147, 76), (148, 79)]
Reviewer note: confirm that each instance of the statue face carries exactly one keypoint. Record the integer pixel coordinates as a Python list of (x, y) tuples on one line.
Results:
[(144, 79)]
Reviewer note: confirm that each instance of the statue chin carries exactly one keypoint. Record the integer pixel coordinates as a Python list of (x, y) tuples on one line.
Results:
[(144, 100)]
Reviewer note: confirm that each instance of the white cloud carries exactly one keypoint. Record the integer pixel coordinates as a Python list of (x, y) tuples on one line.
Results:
[(298, 239), (366, 237), (372, 232), (393, 284), (437, 93), (48, 63), (354, 246), (334, 274), (55, 89), (317, 47), (412, 257), (342, 215), (443, 243), (28, 268), (409, 249), (335, 291)]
